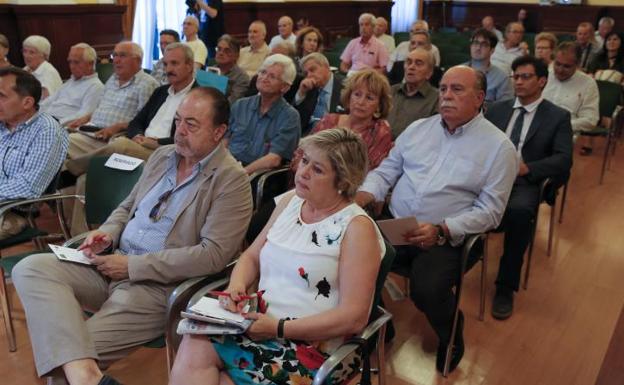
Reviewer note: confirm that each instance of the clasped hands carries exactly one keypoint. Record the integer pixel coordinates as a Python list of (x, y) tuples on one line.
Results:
[(264, 326), (114, 266)]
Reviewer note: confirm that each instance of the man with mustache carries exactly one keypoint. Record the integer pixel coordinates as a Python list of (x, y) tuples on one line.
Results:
[(454, 173), (152, 127), (185, 217)]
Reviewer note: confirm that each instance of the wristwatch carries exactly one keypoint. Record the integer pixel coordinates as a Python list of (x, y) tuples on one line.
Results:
[(441, 236)]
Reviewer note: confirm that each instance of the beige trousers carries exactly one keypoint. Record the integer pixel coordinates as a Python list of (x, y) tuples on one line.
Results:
[(54, 294)]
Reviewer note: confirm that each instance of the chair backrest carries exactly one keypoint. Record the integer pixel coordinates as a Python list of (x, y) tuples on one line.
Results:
[(104, 71), (105, 188), (384, 269), (610, 97)]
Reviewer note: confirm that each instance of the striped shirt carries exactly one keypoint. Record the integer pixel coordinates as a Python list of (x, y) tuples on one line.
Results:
[(122, 103), (30, 156)]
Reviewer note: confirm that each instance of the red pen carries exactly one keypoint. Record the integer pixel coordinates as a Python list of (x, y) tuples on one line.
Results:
[(226, 294)]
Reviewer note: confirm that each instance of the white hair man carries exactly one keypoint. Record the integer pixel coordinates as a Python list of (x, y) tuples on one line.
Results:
[(125, 93), (403, 49), (319, 93), (190, 29), (381, 27), (605, 25), (364, 51), (264, 129), (36, 52), (587, 44), (81, 94), (510, 48), (286, 34), (251, 57)]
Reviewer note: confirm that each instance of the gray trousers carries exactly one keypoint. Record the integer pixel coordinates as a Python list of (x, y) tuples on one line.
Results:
[(54, 294)]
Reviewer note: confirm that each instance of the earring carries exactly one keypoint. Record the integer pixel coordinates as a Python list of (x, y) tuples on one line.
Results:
[(339, 192), (377, 114)]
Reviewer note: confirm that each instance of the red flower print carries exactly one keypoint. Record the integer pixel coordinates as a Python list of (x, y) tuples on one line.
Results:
[(304, 275), (309, 357)]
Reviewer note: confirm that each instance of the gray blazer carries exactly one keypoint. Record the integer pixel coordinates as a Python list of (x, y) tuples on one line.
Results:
[(208, 231)]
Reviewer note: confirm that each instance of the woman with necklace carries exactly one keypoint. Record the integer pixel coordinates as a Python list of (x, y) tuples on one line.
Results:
[(611, 57)]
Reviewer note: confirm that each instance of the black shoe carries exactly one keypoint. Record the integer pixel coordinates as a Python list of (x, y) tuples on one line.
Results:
[(586, 150), (106, 380), (458, 348), (502, 306)]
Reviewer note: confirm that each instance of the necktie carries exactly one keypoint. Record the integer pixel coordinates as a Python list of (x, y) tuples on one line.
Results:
[(516, 131), (321, 106)]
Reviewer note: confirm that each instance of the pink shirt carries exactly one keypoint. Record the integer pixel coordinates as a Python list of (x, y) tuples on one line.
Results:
[(373, 54)]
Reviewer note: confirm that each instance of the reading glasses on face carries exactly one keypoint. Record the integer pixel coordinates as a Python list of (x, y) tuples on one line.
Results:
[(480, 43)]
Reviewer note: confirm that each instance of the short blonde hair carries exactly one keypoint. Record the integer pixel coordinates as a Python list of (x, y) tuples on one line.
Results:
[(549, 37), (347, 155), (375, 83)]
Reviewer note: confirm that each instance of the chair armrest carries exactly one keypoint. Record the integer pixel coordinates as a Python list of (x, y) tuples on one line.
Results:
[(182, 296), (262, 180), (75, 241), (349, 347), (10, 204)]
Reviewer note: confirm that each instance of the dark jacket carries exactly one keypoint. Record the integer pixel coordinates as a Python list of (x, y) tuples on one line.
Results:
[(308, 104), (141, 121), (547, 148)]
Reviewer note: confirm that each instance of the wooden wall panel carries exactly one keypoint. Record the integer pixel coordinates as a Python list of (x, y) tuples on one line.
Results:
[(558, 18), (334, 19), (100, 25)]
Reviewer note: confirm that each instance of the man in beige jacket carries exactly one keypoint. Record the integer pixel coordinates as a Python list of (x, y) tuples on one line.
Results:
[(186, 217)]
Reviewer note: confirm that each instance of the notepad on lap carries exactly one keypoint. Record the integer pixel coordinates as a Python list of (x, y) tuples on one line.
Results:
[(208, 317), (395, 229), (70, 255)]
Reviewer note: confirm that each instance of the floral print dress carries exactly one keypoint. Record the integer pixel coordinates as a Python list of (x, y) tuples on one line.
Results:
[(299, 274)]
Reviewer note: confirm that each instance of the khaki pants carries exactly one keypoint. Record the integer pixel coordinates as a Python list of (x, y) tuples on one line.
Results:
[(54, 294), (83, 148)]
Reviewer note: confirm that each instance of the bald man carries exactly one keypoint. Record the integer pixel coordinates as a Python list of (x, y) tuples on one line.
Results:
[(190, 29), (381, 27), (286, 35), (251, 57), (462, 154)]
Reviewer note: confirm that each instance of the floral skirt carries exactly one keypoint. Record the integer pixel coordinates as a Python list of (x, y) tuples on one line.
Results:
[(276, 362)]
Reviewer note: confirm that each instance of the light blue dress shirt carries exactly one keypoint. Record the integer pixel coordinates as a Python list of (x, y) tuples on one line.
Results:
[(463, 179), (499, 86), (142, 234), (30, 156)]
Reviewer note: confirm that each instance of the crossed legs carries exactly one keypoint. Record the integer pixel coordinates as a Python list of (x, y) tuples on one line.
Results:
[(197, 363)]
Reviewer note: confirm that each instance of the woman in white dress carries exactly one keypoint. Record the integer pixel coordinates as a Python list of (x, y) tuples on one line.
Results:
[(316, 260)]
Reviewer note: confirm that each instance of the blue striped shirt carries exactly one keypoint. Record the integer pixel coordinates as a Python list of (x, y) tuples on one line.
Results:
[(30, 156), (142, 235)]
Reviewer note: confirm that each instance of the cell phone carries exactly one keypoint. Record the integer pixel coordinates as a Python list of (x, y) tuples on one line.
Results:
[(89, 128)]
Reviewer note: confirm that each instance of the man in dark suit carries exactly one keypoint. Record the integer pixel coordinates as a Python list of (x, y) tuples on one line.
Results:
[(318, 93), (542, 134)]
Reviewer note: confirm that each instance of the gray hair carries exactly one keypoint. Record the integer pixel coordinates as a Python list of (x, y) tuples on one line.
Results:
[(39, 43), (316, 57), (367, 16), (189, 56), (88, 53), (288, 66), (260, 23), (607, 20), (430, 61), (347, 155), (192, 19), (422, 23), (287, 46), (231, 41), (134, 48)]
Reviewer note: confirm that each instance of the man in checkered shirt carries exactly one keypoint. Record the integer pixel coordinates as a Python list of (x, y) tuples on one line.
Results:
[(126, 92), (32, 144)]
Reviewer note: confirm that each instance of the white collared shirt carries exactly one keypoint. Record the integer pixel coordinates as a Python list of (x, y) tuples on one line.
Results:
[(160, 126), (48, 76), (275, 40), (75, 98), (528, 119)]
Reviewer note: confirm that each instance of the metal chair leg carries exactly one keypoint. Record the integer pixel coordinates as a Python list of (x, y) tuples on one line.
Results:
[(605, 157), (530, 253), (551, 226), (563, 201), (484, 262), (6, 312), (381, 356)]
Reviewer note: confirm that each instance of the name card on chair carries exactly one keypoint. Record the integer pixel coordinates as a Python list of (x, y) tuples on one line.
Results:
[(123, 162)]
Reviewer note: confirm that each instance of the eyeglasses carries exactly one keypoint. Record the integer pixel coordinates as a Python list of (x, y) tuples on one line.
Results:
[(225, 50), (526, 76), (482, 43), (156, 212)]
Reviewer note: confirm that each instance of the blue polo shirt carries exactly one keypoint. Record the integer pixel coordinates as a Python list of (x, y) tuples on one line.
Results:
[(253, 135)]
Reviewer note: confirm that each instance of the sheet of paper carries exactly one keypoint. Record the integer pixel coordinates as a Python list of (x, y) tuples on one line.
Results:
[(70, 255), (394, 229), (210, 307), (123, 162)]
